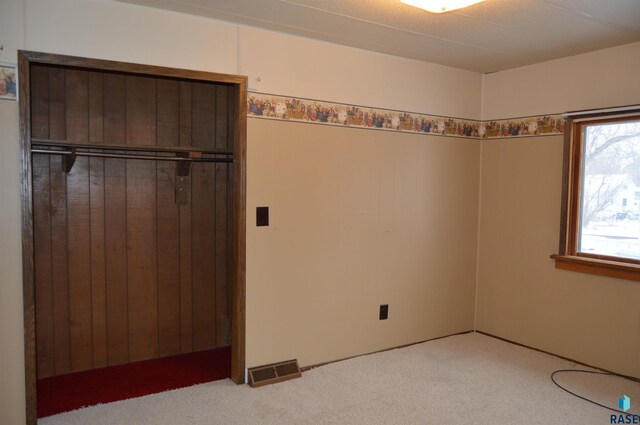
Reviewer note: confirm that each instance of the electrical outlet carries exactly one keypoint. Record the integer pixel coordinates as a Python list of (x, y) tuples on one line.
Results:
[(262, 216), (384, 311)]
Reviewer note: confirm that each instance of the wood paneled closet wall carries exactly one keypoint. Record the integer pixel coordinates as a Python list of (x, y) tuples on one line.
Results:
[(133, 259)]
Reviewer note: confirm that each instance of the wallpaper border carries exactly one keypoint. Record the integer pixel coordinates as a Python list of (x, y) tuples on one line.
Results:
[(298, 109)]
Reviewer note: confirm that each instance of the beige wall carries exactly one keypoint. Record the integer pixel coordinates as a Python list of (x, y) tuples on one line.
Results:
[(359, 218), (592, 80), (318, 70), (105, 29), (363, 217), (521, 296), (11, 324), (332, 292)]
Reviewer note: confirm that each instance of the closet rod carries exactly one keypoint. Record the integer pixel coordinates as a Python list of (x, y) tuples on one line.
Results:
[(139, 148), (123, 156)]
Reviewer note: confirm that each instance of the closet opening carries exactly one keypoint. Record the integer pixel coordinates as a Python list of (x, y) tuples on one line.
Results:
[(133, 206)]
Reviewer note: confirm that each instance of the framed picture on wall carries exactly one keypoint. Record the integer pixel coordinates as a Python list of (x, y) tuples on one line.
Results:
[(8, 81)]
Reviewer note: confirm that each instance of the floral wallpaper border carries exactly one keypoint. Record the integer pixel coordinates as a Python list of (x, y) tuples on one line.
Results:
[(262, 105)]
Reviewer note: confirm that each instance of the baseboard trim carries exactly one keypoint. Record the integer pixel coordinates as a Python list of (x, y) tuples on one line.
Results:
[(632, 378), (313, 366)]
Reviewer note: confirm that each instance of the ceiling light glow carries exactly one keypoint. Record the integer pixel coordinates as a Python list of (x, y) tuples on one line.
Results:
[(440, 6)]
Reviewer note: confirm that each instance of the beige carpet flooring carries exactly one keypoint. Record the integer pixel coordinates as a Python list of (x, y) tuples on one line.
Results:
[(463, 379)]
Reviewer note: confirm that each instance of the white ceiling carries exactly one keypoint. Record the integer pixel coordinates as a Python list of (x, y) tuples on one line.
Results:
[(487, 37)]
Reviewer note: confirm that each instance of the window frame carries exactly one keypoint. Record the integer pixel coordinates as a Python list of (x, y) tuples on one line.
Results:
[(568, 257)]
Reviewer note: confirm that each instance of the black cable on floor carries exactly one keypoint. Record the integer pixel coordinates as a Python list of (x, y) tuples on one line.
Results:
[(584, 398)]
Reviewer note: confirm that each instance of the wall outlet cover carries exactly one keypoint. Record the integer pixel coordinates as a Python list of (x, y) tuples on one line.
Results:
[(384, 311), (262, 216)]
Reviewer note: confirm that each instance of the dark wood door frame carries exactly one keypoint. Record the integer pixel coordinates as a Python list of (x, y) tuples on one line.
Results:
[(25, 59)]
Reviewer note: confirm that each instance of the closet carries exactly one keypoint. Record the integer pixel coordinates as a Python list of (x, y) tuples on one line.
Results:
[(133, 209)]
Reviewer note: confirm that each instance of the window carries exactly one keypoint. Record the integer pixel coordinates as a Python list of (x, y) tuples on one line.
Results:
[(600, 230)]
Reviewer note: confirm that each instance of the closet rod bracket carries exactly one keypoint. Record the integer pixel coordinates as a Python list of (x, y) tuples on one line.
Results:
[(183, 171), (183, 168), (182, 189), (70, 159)]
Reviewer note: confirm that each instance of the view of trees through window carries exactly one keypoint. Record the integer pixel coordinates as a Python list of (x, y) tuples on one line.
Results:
[(610, 190)]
